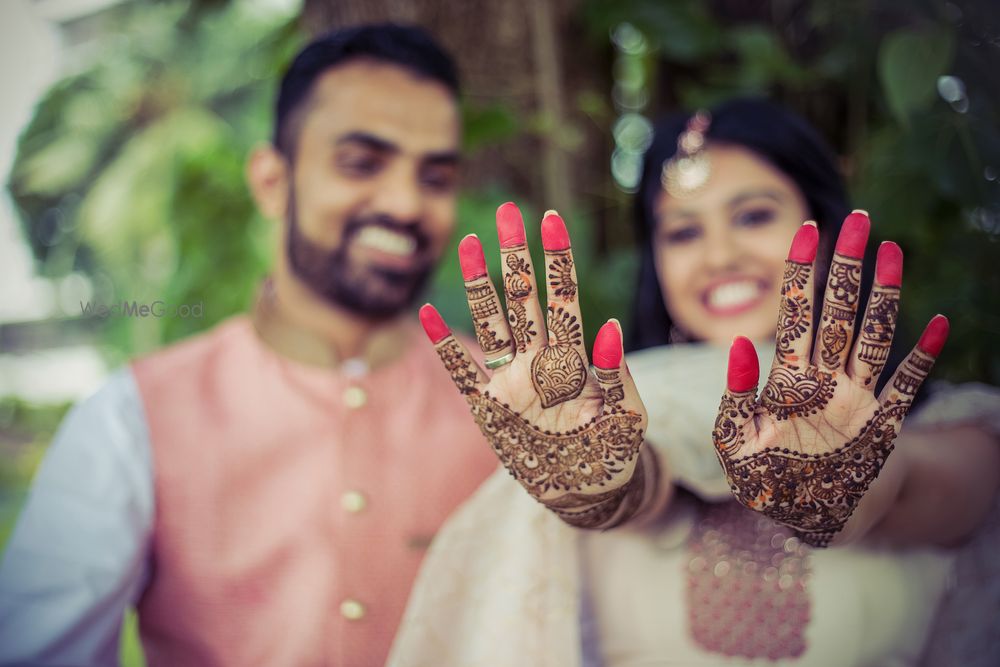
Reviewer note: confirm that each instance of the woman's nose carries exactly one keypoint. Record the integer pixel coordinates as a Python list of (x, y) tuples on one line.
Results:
[(721, 251)]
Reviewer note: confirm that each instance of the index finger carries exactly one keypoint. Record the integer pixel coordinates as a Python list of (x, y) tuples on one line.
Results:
[(464, 371)]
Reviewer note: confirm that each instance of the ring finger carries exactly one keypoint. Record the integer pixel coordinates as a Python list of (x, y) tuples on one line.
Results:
[(484, 304)]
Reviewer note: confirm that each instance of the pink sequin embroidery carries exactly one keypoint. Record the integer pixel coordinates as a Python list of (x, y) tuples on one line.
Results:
[(747, 584)]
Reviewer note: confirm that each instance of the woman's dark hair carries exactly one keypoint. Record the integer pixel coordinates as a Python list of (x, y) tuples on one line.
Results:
[(408, 47), (790, 144), (774, 134)]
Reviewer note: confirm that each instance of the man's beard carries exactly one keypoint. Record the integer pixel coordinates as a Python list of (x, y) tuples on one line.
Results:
[(372, 292)]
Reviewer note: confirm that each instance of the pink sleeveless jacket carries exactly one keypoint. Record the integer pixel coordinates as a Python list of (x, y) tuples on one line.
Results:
[(293, 504)]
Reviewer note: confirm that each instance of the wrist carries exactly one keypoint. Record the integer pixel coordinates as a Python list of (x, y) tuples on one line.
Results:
[(641, 499), (876, 503)]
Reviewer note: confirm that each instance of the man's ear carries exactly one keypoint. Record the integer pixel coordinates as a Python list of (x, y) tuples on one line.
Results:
[(269, 179)]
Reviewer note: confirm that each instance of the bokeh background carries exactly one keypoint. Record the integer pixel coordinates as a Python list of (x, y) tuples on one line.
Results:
[(126, 124)]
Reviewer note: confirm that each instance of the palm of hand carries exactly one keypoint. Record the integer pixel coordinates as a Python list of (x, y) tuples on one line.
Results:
[(569, 435), (806, 451), (564, 453)]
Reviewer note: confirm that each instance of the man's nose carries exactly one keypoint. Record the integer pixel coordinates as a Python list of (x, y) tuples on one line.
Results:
[(399, 196)]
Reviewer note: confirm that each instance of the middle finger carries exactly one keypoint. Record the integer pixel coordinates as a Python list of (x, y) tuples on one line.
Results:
[(840, 302), (524, 313)]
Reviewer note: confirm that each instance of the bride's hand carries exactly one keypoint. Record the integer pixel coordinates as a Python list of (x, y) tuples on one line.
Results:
[(805, 452), (570, 435)]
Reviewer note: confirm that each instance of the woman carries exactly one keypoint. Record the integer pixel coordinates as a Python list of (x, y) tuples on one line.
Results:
[(703, 581)]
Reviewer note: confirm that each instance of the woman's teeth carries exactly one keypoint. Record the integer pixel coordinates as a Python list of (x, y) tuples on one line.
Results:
[(383, 240), (730, 295)]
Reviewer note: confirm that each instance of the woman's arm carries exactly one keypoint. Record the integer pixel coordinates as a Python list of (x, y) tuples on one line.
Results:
[(936, 488), (658, 488)]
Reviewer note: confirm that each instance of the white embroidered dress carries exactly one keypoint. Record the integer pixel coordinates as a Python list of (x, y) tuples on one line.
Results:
[(506, 583)]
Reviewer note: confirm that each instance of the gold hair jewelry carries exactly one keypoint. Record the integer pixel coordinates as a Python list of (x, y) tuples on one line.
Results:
[(688, 170), (500, 361)]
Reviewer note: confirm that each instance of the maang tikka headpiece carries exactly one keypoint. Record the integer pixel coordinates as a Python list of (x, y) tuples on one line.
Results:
[(688, 170)]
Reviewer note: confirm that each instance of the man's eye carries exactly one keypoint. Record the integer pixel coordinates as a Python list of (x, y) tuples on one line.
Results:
[(359, 166), (439, 180), (680, 235), (755, 217)]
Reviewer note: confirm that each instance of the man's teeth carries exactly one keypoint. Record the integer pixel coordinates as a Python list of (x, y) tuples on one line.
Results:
[(386, 241), (733, 294)]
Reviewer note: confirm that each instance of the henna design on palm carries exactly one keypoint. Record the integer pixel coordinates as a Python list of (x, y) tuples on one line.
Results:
[(808, 449), (557, 372), (789, 393), (616, 507), (795, 315), (839, 308), (521, 328), (614, 391), (561, 276), (517, 288), (736, 407), (876, 334), (571, 438), (593, 454), (485, 308), (454, 358)]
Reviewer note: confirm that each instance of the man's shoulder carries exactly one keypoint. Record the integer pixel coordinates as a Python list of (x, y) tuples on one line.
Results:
[(195, 348)]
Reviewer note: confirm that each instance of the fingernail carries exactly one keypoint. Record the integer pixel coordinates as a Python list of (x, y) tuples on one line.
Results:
[(934, 336), (889, 266), (608, 347), (854, 235), (744, 368), (510, 226), (470, 257), (554, 234), (804, 244), (434, 326)]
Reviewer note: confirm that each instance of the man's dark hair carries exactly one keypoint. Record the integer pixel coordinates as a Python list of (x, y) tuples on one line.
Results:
[(409, 47)]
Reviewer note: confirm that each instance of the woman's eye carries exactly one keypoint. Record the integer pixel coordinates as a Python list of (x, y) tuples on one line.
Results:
[(754, 217), (680, 235)]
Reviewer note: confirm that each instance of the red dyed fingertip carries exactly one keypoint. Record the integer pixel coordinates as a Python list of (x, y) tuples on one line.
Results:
[(744, 368), (608, 346), (889, 266), (804, 244), (854, 234), (470, 257), (510, 226), (934, 336), (554, 234), (434, 326)]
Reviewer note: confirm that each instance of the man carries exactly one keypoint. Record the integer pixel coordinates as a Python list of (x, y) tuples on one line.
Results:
[(263, 492)]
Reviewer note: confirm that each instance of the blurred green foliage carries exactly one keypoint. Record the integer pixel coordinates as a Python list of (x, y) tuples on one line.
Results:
[(131, 171)]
